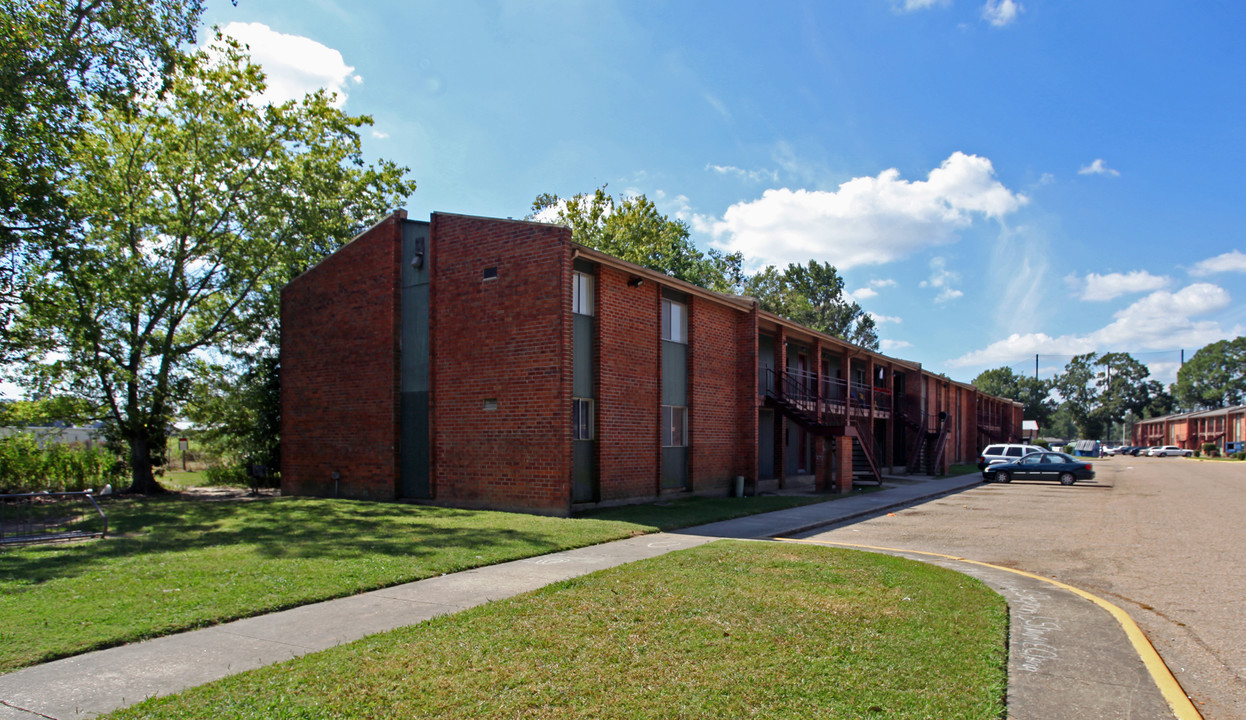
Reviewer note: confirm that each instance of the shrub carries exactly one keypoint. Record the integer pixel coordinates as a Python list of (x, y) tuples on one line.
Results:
[(1210, 449), (27, 467), (1240, 455)]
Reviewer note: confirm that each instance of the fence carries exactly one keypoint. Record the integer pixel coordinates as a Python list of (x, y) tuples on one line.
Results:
[(48, 517)]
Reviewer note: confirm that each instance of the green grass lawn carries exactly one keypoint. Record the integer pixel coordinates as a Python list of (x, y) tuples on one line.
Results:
[(172, 564), (176, 564), (728, 630)]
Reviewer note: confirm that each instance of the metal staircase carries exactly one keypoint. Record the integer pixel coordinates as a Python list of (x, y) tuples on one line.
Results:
[(825, 407)]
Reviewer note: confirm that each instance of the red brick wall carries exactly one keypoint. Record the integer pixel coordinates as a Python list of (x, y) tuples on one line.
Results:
[(722, 408), (629, 333), (339, 370), (506, 340)]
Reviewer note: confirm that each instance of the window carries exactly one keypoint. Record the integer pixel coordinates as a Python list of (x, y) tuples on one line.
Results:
[(581, 419), (581, 293), (674, 426), (674, 321)]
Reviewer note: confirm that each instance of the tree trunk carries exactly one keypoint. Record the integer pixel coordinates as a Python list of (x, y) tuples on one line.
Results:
[(142, 480)]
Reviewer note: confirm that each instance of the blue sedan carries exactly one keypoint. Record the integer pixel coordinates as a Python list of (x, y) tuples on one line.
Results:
[(1041, 466)]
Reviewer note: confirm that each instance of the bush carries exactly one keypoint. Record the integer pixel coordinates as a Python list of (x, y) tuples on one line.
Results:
[(1043, 443), (1210, 449), (26, 467), (1240, 455)]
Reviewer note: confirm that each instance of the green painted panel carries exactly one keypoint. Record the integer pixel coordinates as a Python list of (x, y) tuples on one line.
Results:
[(414, 458), (674, 374), (583, 480), (674, 468), (582, 380)]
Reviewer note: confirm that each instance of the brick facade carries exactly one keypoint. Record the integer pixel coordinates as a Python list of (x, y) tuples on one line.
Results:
[(500, 365), (339, 370)]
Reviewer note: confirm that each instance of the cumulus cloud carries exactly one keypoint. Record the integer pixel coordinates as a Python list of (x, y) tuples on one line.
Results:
[(871, 290), (294, 65), (911, 5), (1098, 167), (883, 319), (1232, 261), (1159, 321), (1001, 12), (868, 220), (942, 279), (1096, 287)]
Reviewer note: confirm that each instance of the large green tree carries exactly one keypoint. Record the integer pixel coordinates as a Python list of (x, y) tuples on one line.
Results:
[(1080, 391), (60, 62), (197, 205), (632, 229), (813, 295), (1034, 393), (1215, 377), (1123, 385)]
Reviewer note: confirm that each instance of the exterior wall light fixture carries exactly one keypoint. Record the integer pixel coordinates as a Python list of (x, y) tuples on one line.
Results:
[(635, 282)]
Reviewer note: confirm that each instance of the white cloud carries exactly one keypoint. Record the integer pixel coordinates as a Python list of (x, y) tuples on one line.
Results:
[(868, 220), (751, 175), (912, 5), (1001, 12), (893, 345), (1232, 261), (1097, 287), (883, 319), (941, 279), (1098, 167), (380, 135), (1160, 321), (871, 290), (294, 65)]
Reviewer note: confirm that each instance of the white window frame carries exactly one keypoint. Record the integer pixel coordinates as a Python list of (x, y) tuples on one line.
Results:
[(674, 321), (581, 293), (674, 426), (582, 419)]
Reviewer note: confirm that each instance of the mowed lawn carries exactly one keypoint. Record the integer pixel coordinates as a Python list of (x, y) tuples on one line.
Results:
[(172, 564), (732, 629)]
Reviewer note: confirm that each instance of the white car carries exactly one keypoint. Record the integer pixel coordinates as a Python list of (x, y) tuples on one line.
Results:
[(1166, 450)]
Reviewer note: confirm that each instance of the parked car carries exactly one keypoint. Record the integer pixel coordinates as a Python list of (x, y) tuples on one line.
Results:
[(1004, 452), (1166, 450), (1139, 450), (1117, 450), (1042, 466)]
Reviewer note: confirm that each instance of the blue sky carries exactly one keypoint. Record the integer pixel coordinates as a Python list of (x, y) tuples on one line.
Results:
[(993, 179)]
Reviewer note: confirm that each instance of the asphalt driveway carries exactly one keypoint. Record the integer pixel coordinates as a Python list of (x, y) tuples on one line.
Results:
[(1162, 538)]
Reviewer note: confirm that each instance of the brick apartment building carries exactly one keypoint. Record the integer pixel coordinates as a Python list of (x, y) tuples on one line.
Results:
[(485, 363), (1225, 427)]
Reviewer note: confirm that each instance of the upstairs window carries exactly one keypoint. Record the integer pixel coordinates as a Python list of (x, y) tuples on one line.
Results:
[(581, 293), (674, 321)]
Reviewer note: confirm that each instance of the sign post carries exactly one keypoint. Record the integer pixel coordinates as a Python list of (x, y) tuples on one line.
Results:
[(183, 444)]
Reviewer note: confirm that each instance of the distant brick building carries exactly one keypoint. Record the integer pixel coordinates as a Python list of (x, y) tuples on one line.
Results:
[(1224, 427), (487, 363)]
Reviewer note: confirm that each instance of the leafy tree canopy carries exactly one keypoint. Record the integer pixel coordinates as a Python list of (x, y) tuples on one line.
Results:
[(633, 229), (1215, 377), (196, 207), (60, 61), (1034, 393), (813, 295)]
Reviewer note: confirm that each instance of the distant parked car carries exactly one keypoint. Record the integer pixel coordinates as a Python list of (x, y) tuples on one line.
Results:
[(1042, 466), (1117, 450), (1166, 450), (1004, 452), (1138, 450)]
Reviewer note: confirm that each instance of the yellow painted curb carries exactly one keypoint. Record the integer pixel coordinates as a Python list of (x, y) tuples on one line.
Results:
[(1168, 686)]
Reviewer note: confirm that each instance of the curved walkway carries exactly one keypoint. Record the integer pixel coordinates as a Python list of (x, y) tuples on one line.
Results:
[(1070, 658)]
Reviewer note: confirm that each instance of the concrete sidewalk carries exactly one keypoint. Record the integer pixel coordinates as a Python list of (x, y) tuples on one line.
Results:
[(1093, 646)]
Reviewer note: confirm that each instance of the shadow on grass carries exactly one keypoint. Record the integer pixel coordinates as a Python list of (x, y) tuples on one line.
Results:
[(283, 528)]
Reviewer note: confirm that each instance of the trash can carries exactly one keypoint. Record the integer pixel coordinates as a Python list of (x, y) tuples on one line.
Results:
[(739, 486)]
